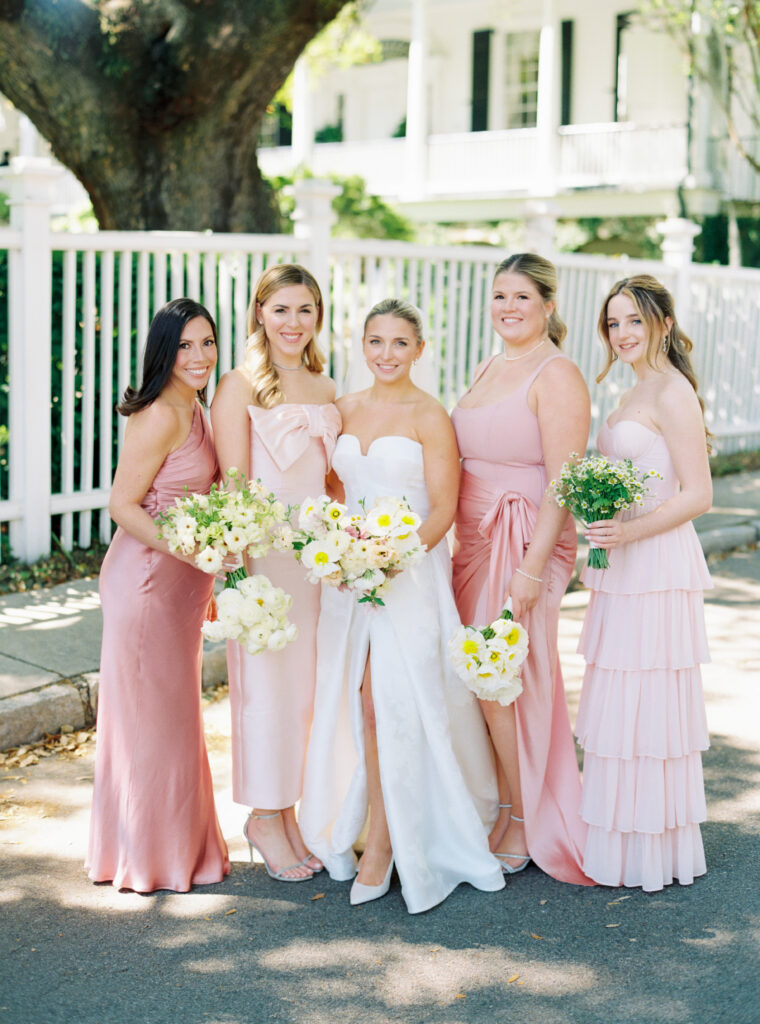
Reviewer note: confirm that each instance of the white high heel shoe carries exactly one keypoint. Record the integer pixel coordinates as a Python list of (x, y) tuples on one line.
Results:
[(361, 893)]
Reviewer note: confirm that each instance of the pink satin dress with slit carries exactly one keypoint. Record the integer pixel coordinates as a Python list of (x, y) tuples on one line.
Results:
[(154, 823), (641, 720), (503, 483)]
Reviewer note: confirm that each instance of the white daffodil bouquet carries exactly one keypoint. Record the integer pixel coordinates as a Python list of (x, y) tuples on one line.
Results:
[(596, 488), (360, 552), (489, 659), (244, 520)]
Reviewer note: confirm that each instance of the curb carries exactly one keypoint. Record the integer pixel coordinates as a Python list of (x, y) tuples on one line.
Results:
[(26, 717)]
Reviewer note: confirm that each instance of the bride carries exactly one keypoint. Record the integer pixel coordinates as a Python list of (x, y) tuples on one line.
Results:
[(395, 731)]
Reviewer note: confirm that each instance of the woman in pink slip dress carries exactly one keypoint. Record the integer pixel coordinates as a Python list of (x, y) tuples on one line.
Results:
[(275, 416), (154, 824), (527, 409), (641, 719)]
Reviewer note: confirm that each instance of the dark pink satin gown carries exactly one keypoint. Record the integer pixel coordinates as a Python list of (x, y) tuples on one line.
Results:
[(503, 482), (154, 823)]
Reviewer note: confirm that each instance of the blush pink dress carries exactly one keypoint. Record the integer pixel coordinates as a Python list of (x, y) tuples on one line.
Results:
[(272, 694), (503, 483), (154, 824), (641, 719)]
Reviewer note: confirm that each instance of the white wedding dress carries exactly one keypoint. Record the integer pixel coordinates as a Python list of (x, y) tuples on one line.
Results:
[(436, 767)]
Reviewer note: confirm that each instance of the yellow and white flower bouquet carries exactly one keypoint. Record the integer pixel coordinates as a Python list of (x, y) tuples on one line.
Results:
[(489, 659), (360, 552), (247, 520), (596, 488)]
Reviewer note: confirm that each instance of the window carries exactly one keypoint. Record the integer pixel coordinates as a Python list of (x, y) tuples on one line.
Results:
[(521, 91)]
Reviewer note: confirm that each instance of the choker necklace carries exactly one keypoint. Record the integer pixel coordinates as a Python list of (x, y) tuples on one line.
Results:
[(513, 359), (279, 367)]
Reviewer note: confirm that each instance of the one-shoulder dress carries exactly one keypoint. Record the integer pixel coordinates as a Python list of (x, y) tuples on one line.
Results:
[(503, 483), (435, 763), (272, 694), (154, 823), (641, 719)]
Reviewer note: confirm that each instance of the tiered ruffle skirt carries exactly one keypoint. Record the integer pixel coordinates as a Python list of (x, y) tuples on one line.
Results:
[(641, 720)]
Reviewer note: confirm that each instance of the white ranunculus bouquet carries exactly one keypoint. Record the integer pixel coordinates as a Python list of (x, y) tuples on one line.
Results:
[(489, 659), (360, 552), (595, 488), (255, 613), (244, 521)]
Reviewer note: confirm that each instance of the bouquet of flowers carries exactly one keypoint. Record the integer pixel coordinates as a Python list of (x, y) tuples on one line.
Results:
[(489, 659), (247, 521), (595, 488), (255, 613), (360, 552)]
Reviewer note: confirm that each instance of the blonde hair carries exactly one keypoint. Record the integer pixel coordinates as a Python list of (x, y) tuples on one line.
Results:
[(402, 310), (543, 274), (654, 304), (258, 365)]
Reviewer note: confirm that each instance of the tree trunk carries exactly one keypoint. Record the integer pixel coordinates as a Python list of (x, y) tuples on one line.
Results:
[(156, 106)]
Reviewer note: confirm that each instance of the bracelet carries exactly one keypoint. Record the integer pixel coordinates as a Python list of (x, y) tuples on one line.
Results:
[(527, 575)]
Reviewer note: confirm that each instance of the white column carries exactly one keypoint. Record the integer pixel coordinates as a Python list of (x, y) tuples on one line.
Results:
[(678, 236), (29, 182), (28, 137), (540, 221), (313, 218), (547, 118), (416, 105), (303, 115)]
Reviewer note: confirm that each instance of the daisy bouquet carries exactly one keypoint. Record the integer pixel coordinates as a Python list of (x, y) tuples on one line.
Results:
[(489, 659), (360, 552), (247, 520), (595, 488)]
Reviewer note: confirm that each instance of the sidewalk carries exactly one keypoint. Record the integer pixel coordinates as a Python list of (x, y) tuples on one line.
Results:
[(50, 639)]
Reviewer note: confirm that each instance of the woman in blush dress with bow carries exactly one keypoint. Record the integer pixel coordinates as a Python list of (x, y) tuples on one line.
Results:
[(641, 720), (527, 409), (153, 824), (274, 418)]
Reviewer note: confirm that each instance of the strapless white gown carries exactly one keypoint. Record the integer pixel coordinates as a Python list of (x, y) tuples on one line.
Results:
[(436, 766)]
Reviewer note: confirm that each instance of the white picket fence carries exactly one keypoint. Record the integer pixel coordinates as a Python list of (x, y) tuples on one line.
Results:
[(69, 363)]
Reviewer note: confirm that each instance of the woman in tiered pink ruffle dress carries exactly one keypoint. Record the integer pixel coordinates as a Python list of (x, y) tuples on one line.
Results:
[(274, 417), (527, 409), (641, 720), (154, 825)]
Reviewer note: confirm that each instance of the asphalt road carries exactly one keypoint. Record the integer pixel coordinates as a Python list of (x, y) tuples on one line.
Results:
[(254, 950)]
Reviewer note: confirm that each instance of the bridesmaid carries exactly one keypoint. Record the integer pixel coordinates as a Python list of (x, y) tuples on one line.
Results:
[(275, 416), (154, 825), (527, 409), (641, 719)]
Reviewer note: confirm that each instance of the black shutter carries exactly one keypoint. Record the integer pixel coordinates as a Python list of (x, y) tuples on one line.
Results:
[(566, 115), (481, 69)]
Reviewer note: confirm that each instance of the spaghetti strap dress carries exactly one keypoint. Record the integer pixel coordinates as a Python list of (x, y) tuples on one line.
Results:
[(641, 720), (503, 483), (272, 693), (154, 823)]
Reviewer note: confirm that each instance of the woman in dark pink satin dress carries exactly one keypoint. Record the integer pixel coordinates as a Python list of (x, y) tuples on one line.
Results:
[(154, 824), (527, 409)]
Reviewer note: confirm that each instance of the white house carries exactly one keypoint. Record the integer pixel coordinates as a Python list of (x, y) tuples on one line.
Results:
[(569, 108)]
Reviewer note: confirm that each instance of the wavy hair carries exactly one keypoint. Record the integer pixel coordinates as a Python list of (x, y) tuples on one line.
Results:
[(161, 347), (258, 365), (543, 274)]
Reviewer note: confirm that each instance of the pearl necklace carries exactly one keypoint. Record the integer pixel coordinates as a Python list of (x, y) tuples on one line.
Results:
[(513, 359), (279, 367)]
